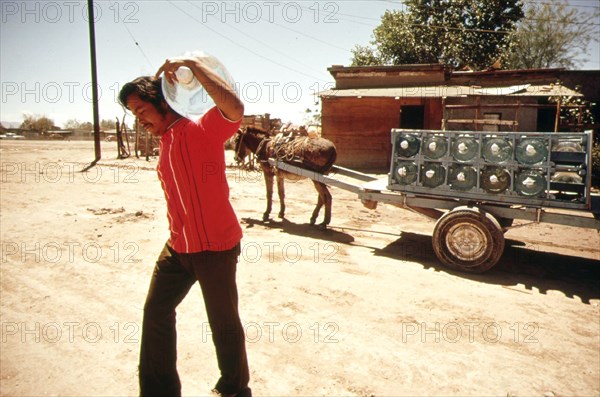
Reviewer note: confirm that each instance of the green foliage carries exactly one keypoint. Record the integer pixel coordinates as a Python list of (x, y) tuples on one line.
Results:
[(86, 126), (452, 32), (105, 124), (575, 111), (71, 124), (552, 35), (364, 56), (596, 165), (312, 117)]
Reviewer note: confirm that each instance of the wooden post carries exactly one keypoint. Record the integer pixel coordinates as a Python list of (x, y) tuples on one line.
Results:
[(137, 139), (124, 127), (147, 155), (477, 112), (444, 114), (119, 139), (514, 127), (557, 119)]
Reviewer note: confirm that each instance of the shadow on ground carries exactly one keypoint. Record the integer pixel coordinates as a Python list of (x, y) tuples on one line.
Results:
[(519, 265), (301, 229)]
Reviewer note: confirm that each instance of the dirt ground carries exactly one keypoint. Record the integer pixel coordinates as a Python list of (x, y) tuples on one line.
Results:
[(362, 309)]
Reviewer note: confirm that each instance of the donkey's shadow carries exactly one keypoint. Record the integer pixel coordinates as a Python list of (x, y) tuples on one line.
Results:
[(302, 229)]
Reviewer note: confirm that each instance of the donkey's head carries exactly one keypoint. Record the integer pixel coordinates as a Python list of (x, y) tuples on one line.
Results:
[(240, 150)]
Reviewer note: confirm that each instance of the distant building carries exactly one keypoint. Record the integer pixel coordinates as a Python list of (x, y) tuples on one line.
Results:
[(58, 134), (264, 122)]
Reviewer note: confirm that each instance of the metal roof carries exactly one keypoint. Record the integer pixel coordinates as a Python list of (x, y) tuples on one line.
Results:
[(453, 91)]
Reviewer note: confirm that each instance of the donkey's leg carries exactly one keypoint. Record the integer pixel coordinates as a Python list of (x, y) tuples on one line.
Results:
[(269, 174), (315, 214), (281, 192), (327, 200), (324, 199)]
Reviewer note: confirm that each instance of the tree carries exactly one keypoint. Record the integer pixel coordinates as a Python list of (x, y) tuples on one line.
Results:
[(37, 123), (574, 118), (72, 124), (107, 124), (312, 117), (86, 126), (365, 56), (552, 35), (458, 33)]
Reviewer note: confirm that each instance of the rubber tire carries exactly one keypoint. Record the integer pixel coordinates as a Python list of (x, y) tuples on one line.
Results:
[(465, 223)]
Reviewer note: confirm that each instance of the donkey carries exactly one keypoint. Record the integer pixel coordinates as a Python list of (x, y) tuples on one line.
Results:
[(314, 154)]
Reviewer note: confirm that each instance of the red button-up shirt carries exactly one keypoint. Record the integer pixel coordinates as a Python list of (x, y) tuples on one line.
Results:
[(191, 169)]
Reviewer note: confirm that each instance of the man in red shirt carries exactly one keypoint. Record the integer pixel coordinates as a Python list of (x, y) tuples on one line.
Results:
[(204, 242)]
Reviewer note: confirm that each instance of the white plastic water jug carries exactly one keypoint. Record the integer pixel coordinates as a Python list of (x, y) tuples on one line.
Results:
[(187, 96)]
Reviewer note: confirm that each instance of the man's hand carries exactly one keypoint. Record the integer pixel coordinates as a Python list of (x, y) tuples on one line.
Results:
[(169, 68), (219, 90)]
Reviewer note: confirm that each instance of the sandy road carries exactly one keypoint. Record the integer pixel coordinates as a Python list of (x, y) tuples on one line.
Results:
[(361, 309)]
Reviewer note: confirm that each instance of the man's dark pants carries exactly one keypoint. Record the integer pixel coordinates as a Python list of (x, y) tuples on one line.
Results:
[(173, 277)]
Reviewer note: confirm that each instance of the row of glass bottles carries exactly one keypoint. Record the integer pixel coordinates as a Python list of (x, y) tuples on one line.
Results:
[(495, 180), (465, 149)]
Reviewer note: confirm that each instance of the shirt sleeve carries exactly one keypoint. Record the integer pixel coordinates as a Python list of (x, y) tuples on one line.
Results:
[(218, 126)]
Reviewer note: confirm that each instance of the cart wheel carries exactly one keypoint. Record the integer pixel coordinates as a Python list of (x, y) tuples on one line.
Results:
[(468, 240)]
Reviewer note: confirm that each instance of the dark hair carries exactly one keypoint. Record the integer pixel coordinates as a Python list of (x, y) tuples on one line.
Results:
[(148, 89)]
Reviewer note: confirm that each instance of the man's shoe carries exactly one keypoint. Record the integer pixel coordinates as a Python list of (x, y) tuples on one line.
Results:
[(216, 393), (247, 392)]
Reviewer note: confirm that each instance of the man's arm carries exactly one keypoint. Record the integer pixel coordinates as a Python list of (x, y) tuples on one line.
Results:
[(219, 90)]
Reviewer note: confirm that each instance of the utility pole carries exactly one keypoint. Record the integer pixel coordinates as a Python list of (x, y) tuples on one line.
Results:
[(94, 87)]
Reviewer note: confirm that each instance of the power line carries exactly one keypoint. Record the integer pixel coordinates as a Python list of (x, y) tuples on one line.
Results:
[(550, 3), (567, 4), (309, 36), (137, 44), (420, 25), (244, 47), (524, 18), (345, 15), (561, 22), (428, 26), (261, 42), (467, 29)]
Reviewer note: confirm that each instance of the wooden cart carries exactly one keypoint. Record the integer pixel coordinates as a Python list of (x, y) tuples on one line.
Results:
[(475, 195)]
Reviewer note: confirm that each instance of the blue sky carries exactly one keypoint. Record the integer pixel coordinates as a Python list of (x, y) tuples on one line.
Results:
[(277, 51)]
